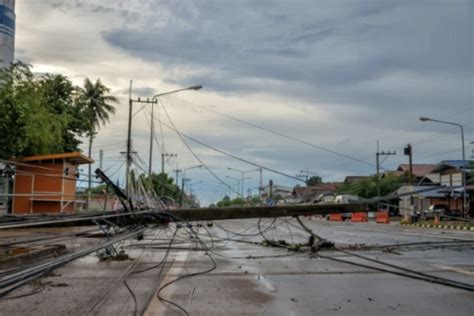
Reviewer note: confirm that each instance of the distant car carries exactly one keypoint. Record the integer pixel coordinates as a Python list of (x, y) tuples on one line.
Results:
[(346, 198)]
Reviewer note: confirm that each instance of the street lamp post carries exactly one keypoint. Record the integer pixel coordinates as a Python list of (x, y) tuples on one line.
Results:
[(427, 119), (243, 179), (152, 128), (184, 180), (238, 182)]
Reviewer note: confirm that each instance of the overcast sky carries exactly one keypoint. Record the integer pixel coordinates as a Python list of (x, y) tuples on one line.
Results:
[(338, 74)]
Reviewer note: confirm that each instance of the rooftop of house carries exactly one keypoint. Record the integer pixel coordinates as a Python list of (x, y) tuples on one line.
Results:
[(419, 170), (316, 189), (456, 164), (76, 158)]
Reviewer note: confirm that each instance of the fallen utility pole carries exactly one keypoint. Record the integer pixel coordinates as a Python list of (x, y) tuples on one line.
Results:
[(240, 212), (151, 216)]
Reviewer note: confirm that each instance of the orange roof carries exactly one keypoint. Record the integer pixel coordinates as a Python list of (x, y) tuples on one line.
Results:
[(419, 170), (76, 158)]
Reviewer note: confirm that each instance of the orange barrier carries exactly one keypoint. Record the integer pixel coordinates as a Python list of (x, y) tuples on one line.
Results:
[(336, 217), (382, 217), (360, 217)]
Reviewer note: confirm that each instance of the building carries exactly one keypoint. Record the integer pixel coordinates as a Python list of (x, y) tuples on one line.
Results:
[(450, 172), (324, 192), (7, 32), (422, 173), (276, 191), (47, 184), (419, 198)]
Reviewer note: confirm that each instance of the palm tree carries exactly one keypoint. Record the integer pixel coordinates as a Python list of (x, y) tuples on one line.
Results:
[(97, 105)]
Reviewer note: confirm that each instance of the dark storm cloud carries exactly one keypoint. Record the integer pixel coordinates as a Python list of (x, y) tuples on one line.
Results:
[(343, 52)]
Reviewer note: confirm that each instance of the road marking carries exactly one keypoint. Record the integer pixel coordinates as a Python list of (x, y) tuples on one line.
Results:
[(156, 307), (450, 268)]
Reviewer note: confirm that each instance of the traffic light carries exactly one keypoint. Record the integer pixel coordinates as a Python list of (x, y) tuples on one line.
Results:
[(407, 150)]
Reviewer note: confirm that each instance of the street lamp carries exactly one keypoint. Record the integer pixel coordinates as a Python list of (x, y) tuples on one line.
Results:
[(243, 179), (427, 119), (152, 125), (184, 180), (238, 182)]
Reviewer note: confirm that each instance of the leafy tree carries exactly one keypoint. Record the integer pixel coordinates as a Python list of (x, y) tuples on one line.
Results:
[(97, 106), (162, 185), (226, 202), (367, 188), (27, 126), (314, 180), (39, 115), (61, 98)]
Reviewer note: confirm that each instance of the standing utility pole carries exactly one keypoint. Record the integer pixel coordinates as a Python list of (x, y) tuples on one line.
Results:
[(183, 194), (101, 158), (177, 171), (129, 138), (408, 151), (153, 101), (378, 154), (305, 174), (152, 134)]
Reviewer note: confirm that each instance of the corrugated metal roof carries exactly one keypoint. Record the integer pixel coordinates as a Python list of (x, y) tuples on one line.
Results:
[(419, 170)]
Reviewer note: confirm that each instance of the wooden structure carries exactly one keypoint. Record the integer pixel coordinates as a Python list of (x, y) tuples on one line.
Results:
[(47, 184)]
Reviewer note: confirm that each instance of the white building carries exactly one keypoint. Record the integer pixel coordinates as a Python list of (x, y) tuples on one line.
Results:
[(277, 190), (7, 32)]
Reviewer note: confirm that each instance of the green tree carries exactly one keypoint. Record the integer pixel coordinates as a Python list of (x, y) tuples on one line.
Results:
[(367, 188), (27, 126), (314, 180), (162, 185), (97, 106), (39, 115), (226, 202), (61, 98)]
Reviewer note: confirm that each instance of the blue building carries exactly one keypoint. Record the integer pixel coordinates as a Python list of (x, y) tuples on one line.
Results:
[(7, 32)]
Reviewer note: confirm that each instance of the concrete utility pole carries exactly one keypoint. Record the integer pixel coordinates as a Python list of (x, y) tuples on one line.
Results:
[(305, 174), (152, 134), (408, 151), (183, 194), (129, 134), (129, 138), (101, 159), (270, 185), (378, 154), (177, 171)]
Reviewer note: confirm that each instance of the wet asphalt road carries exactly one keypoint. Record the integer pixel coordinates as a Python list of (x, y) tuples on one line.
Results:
[(252, 279)]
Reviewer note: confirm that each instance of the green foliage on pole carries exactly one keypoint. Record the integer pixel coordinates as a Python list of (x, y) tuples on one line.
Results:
[(314, 180)]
